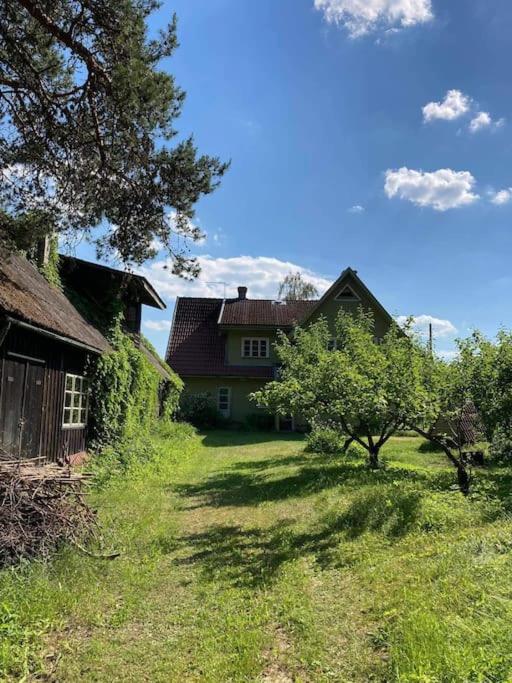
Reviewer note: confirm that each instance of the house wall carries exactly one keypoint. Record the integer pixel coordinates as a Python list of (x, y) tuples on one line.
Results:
[(241, 406), (55, 443), (234, 347), (330, 309)]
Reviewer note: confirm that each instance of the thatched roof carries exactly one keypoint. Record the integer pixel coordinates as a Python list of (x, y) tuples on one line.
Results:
[(26, 296)]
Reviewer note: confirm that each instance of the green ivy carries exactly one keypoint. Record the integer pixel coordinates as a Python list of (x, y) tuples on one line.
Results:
[(50, 269), (128, 394)]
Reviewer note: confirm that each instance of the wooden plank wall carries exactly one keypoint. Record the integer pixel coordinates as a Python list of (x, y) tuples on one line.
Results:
[(57, 444)]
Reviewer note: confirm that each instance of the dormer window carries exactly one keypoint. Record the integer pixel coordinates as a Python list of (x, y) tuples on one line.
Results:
[(255, 347)]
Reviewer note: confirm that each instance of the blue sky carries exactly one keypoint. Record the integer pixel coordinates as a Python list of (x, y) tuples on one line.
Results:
[(375, 134)]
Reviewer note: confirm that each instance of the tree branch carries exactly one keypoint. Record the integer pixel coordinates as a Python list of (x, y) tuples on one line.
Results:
[(67, 39)]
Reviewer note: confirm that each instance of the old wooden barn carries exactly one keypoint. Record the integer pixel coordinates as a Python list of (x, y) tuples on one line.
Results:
[(45, 346)]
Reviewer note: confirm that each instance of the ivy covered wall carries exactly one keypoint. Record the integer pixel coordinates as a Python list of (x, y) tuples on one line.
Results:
[(127, 393)]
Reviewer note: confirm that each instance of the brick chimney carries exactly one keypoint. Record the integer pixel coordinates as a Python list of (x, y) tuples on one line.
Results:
[(242, 293)]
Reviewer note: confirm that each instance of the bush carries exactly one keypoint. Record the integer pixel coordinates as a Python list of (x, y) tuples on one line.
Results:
[(501, 446), (200, 410), (324, 440), (260, 422)]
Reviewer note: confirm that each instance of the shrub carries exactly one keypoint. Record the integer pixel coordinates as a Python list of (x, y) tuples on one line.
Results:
[(501, 446), (260, 422), (356, 451), (324, 440), (200, 410)]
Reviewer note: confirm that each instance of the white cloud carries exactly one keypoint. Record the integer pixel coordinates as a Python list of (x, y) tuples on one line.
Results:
[(484, 120), (502, 197), (261, 274), (481, 120), (357, 208), (362, 16), (157, 325), (443, 189), (454, 105), (440, 328)]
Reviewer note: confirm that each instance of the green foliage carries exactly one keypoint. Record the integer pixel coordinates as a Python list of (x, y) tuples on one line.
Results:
[(50, 269), (24, 231), (489, 368), (200, 410), (127, 393), (500, 448), (89, 115), (364, 390), (323, 439)]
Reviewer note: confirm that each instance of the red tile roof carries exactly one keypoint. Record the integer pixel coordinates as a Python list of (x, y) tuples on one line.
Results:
[(197, 344), (264, 312)]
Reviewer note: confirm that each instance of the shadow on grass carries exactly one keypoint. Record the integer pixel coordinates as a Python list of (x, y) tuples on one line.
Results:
[(222, 438), (252, 557), (252, 487)]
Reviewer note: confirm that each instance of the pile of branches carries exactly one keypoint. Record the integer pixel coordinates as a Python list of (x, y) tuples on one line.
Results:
[(41, 507)]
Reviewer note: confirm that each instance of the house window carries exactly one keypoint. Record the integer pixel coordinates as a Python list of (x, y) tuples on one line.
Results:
[(255, 347), (224, 401), (76, 400)]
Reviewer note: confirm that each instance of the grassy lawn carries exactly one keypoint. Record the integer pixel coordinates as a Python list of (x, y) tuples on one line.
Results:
[(246, 559)]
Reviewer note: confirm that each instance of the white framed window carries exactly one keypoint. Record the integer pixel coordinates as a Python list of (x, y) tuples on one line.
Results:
[(255, 347), (224, 401), (76, 401)]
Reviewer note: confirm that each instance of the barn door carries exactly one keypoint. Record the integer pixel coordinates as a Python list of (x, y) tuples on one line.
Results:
[(21, 407), (30, 432)]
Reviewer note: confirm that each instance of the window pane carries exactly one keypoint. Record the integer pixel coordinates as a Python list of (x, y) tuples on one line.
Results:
[(67, 399), (83, 416), (247, 347), (263, 347), (76, 400), (75, 418), (67, 416), (69, 383)]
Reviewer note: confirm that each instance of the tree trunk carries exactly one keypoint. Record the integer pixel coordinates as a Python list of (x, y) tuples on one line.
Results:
[(463, 478), (347, 444), (373, 458)]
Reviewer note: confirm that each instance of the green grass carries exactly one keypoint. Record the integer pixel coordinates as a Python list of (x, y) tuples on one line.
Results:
[(246, 559)]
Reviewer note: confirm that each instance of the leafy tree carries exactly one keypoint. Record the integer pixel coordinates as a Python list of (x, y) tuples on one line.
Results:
[(449, 419), (363, 389), (294, 287), (86, 116), (489, 366)]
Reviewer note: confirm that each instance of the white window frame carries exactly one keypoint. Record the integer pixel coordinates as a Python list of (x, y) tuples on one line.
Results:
[(80, 389), (258, 341), (225, 412)]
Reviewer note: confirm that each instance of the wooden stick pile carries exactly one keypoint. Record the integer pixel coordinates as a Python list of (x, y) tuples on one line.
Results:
[(41, 506)]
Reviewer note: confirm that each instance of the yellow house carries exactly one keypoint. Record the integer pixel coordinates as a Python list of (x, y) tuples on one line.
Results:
[(225, 347)]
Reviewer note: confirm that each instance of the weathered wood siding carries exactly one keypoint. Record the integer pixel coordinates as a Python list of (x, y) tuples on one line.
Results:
[(55, 442)]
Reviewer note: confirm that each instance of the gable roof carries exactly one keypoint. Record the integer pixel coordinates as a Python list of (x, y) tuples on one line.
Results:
[(197, 342), (197, 346), (346, 275), (72, 267), (26, 296), (263, 312)]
